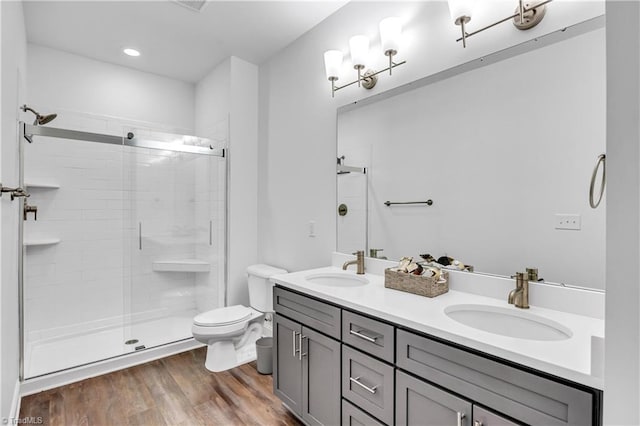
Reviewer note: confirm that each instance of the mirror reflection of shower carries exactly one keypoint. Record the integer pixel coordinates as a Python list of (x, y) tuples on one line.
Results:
[(40, 119)]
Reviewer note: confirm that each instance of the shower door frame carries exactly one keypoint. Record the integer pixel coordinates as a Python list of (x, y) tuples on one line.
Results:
[(25, 135)]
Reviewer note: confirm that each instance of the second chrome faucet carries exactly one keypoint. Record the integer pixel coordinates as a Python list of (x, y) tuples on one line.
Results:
[(359, 262)]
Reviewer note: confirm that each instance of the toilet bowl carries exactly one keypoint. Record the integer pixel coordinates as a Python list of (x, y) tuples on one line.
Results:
[(230, 333)]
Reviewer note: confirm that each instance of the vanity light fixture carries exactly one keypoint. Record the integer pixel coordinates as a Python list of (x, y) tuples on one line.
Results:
[(527, 15), (390, 32)]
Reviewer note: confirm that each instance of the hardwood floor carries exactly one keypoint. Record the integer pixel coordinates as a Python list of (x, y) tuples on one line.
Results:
[(177, 390)]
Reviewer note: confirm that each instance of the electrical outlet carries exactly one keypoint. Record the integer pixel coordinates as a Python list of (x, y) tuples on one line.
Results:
[(568, 221)]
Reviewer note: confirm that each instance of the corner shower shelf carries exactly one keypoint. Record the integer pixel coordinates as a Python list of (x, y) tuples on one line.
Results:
[(42, 185), (182, 265), (40, 242)]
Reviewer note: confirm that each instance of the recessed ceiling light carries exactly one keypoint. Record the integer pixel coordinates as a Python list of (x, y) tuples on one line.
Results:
[(131, 52)]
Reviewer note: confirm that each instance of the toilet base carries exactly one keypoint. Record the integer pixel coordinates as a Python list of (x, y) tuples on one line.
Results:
[(227, 354)]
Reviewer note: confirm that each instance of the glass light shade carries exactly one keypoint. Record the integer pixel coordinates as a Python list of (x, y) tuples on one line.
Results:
[(458, 8), (359, 46), (332, 63), (390, 32)]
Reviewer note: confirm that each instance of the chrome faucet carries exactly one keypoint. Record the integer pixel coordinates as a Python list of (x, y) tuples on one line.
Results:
[(359, 262), (519, 296)]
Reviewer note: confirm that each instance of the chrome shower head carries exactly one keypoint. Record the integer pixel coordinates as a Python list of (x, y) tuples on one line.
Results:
[(40, 119)]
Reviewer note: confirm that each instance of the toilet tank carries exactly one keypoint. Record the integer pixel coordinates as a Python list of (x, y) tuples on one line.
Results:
[(260, 288)]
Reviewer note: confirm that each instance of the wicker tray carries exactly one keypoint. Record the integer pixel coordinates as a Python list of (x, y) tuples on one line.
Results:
[(416, 284)]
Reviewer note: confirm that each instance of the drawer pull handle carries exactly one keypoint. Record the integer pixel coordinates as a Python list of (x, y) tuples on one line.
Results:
[(461, 416), (293, 341), (477, 423), (362, 385), (362, 336)]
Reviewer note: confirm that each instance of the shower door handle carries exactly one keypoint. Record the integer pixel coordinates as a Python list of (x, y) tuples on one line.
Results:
[(139, 235)]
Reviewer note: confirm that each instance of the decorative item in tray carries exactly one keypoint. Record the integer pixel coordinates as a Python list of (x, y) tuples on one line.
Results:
[(414, 278)]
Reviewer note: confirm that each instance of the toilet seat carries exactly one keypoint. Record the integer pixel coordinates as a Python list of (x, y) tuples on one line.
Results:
[(220, 317)]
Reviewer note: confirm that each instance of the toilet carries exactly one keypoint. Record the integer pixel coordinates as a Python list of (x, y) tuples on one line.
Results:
[(231, 332)]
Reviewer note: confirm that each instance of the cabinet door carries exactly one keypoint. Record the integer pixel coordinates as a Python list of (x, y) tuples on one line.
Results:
[(320, 379), (287, 367), (482, 417), (419, 403)]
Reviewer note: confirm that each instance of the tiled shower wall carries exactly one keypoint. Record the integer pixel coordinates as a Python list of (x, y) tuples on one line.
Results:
[(97, 275)]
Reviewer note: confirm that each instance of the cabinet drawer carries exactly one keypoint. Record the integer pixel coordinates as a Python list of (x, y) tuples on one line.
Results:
[(353, 416), (524, 396), (368, 335), (368, 383), (320, 316)]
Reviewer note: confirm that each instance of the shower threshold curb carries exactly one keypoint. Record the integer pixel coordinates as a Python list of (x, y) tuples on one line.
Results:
[(76, 374)]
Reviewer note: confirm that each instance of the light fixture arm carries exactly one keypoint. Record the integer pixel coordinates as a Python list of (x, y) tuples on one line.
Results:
[(522, 10), (368, 75)]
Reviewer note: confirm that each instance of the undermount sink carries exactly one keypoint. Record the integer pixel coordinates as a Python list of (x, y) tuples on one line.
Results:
[(337, 279), (509, 322)]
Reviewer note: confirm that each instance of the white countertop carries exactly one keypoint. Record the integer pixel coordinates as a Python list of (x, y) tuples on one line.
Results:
[(569, 359)]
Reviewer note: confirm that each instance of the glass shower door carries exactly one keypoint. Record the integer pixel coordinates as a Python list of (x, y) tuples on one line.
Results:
[(175, 221), (73, 266)]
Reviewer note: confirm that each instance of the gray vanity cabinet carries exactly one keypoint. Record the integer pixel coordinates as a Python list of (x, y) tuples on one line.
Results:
[(419, 403), (320, 379), (519, 394), (287, 367), (335, 366), (306, 363)]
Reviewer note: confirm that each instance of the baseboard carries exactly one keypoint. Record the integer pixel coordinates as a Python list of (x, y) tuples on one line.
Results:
[(15, 402)]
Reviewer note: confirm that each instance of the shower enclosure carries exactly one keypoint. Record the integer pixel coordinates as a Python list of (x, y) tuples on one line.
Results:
[(128, 245)]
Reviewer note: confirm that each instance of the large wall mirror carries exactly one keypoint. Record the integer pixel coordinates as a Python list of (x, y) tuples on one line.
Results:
[(505, 152)]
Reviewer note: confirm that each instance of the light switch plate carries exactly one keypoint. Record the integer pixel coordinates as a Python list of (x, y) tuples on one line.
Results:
[(568, 221)]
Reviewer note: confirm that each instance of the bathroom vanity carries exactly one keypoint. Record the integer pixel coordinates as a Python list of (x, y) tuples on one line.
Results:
[(348, 351)]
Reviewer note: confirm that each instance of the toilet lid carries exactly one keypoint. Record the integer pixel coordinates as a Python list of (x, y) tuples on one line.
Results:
[(223, 316)]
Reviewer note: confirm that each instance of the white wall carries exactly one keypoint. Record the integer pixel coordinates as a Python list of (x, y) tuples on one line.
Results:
[(498, 164), (63, 81), (212, 102), (298, 133), (229, 95), (622, 342), (243, 178), (13, 94)]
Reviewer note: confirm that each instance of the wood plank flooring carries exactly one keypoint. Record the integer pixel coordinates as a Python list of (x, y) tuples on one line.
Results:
[(177, 390)]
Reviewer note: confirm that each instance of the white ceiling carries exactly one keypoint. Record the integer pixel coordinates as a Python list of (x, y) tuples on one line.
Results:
[(174, 41)]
